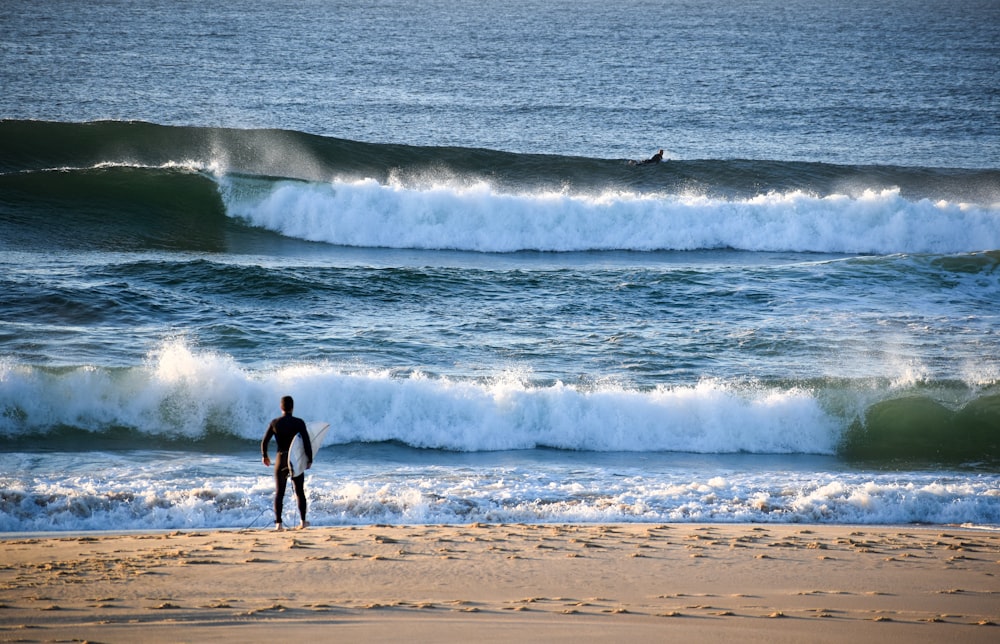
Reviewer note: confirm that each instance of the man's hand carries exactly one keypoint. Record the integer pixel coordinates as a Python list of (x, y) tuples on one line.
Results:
[(309, 464), (267, 461)]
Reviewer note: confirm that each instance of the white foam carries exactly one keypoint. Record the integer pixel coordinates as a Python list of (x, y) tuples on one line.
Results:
[(186, 393), (161, 490), (478, 218)]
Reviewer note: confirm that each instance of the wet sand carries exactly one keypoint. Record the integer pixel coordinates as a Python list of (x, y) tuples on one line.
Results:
[(500, 583)]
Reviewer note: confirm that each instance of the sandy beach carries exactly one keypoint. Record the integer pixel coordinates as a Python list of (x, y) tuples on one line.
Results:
[(498, 583)]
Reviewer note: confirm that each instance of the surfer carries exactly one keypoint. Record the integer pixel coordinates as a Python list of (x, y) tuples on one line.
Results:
[(284, 429), (656, 158)]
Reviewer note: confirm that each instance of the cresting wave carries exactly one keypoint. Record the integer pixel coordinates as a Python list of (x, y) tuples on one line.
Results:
[(153, 185), (477, 218), (183, 397)]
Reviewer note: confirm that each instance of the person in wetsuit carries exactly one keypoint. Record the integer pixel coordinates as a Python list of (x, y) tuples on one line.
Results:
[(283, 429), (656, 158)]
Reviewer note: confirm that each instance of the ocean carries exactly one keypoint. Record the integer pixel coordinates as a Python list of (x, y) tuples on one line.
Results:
[(426, 223)]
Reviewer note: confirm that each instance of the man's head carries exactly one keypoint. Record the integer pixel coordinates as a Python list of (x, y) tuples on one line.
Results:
[(287, 404)]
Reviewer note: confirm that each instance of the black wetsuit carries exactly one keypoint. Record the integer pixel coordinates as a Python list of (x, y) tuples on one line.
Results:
[(284, 429)]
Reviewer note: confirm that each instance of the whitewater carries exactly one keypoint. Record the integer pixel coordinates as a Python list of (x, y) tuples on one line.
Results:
[(416, 449), (479, 218)]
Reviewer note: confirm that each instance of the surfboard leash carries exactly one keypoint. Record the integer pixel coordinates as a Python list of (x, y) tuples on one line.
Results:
[(256, 519)]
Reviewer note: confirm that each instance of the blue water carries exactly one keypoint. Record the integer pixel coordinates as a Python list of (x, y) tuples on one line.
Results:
[(426, 226)]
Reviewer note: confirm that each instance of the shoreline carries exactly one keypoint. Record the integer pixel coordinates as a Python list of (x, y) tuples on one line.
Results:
[(500, 582), (291, 529)]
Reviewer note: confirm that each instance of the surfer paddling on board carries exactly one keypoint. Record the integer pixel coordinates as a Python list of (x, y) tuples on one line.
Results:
[(284, 429), (656, 158)]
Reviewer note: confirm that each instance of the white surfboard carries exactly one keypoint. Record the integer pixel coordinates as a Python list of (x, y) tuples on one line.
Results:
[(297, 460)]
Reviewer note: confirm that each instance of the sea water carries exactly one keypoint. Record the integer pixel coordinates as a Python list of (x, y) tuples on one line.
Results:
[(425, 226)]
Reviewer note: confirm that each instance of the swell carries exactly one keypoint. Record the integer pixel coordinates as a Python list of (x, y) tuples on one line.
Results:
[(127, 185), (112, 208), (921, 428), (40, 145)]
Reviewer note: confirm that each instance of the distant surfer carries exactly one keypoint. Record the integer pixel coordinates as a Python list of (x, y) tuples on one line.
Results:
[(656, 158), (284, 429)]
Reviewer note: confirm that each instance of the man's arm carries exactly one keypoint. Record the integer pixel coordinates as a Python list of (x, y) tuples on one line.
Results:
[(264, 443)]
